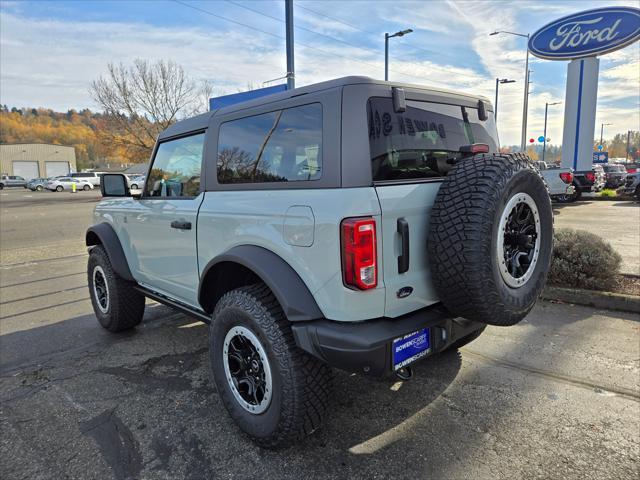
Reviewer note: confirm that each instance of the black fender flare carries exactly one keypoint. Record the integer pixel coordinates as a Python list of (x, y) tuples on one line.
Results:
[(294, 297), (104, 234)]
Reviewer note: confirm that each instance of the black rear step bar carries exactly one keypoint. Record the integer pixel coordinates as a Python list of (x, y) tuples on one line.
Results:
[(181, 307)]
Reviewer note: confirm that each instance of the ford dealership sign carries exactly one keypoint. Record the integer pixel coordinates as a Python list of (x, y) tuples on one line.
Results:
[(587, 34)]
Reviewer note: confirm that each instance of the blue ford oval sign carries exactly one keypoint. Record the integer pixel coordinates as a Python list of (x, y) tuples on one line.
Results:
[(587, 34)]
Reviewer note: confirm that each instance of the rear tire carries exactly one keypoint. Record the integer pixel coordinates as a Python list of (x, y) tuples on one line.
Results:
[(39, 188), (117, 305), (491, 238), (291, 388), (59, 188)]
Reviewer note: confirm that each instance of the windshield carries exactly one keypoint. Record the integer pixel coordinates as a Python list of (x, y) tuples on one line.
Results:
[(418, 142)]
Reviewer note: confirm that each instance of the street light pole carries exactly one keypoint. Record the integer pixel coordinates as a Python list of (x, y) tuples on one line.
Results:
[(401, 33), (544, 144), (525, 105), (628, 138), (602, 131), (495, 105), (288, 15), (386, 57)]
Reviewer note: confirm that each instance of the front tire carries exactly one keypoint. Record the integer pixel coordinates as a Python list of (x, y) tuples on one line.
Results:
[(39, 188), (274, 391), (86, 188), (59, 188), (117, 305)]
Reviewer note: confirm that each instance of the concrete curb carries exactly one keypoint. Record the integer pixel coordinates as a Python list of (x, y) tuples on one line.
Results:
[(594, 298)]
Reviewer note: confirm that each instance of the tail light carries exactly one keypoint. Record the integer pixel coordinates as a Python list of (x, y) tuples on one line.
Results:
[(359, 256), (590, 176), (566, 177)]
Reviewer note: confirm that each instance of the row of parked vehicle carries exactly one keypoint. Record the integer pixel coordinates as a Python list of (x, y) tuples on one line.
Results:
[(82, 180), (566, 185)]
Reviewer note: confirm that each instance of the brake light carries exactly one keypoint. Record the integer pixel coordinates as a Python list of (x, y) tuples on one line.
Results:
[(590, 176), (566, 177), (475, 148), (359, 256)]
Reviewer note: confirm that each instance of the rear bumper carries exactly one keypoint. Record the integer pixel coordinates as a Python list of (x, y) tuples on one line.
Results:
[(365, 347)]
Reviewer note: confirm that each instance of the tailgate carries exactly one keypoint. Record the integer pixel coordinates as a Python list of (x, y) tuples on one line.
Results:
[(411, 203)]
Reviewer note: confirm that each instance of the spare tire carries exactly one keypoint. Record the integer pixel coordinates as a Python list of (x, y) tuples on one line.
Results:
[(490, 238)]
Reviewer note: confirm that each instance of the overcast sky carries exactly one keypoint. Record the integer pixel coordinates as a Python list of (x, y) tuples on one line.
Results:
[(51, 51)]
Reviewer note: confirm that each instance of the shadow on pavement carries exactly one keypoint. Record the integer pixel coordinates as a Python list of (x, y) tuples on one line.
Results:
[(144, 403)]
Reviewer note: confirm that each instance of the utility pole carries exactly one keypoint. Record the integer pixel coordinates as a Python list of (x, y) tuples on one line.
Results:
[(628, 138), (288, 15)]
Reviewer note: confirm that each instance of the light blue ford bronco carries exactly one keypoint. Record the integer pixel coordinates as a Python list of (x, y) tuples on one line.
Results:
[(355, 224)]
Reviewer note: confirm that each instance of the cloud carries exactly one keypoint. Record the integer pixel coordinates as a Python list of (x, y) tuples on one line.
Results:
[(51, 63)]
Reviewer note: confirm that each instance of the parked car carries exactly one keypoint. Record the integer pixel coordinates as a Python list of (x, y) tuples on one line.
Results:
[(59, 184), (137, 182), (9, 181), (92, 177), (37, 184), (355, 223), (588, 181), (615, 175), (559, 181), (631, 186)]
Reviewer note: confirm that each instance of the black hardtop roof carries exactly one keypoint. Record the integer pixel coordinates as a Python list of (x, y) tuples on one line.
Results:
[(200, 122)]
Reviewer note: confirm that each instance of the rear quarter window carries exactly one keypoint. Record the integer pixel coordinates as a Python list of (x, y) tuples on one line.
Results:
[(280, 146), (416, 143)]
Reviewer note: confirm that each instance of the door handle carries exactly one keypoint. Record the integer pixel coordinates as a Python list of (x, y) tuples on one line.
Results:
[(403, 259), (181, 225)]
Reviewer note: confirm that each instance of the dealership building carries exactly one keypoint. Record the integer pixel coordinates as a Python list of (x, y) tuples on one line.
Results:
[(34, 160)]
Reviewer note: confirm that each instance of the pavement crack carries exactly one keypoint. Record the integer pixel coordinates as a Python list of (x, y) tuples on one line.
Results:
[(578, 382)]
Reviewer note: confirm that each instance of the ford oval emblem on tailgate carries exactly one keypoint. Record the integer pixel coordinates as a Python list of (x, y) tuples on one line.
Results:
[(404, 292)]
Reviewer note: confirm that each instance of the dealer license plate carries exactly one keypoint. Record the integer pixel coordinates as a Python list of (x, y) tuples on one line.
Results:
[(409, 348)]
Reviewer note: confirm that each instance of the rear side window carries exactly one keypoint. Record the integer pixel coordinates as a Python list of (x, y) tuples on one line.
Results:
[(280, 146), (176, 168), (417, 143)]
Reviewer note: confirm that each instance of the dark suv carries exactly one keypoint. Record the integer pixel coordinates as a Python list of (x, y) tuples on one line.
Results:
[(615, 174)]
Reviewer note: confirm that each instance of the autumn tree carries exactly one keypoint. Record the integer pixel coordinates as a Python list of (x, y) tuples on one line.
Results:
[(143, 99)]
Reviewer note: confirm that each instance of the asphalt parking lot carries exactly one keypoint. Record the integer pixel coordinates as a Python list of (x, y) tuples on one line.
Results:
[(557, 396)]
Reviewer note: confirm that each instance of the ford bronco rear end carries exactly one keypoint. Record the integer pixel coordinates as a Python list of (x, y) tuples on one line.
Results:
[(355, 224)]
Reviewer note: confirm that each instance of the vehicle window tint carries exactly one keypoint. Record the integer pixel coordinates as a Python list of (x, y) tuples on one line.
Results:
[(281, 146), (418, 142), (176, 168)]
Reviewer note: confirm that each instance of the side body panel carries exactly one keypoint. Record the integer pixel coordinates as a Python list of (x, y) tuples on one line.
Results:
[(231, 218)]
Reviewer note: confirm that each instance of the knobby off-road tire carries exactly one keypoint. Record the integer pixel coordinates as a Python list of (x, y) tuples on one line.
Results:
[(123, 307), (469, 267), (250, 317)]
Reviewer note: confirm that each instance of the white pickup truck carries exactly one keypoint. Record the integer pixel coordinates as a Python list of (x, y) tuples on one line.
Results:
[(559, 181)]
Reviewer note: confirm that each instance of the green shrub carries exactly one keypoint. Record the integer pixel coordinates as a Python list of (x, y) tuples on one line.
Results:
[(584, 260), (607, 192)]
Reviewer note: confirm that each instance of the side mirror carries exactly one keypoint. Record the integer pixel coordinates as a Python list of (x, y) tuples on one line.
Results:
[(114, 185)]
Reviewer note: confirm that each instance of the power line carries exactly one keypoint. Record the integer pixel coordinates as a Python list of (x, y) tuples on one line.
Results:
[(370, 32), (335, 39), (324, 52)]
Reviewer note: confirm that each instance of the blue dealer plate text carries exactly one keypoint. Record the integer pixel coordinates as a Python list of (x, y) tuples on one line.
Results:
[(409, 348)]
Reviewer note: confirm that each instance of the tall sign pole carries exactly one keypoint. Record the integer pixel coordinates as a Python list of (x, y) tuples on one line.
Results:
[(581, 38), (291, 71)]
